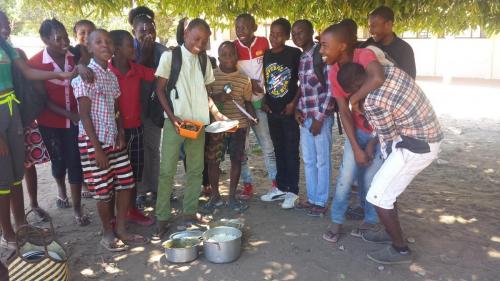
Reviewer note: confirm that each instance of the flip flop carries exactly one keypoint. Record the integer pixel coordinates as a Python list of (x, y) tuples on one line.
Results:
[(332, 236), (136, 240), (62, 203), (82, 220), (210, 207), (116, 246)]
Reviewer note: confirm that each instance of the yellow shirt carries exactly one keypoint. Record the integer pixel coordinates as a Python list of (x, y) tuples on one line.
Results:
[(192, 101)]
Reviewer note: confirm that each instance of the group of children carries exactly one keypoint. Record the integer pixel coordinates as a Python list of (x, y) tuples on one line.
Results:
[(104, 127)]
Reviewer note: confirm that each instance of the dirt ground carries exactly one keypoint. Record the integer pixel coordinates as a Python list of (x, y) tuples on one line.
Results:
[(451, 211)]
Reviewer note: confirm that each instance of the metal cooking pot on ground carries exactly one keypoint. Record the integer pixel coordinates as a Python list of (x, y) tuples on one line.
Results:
[(181, 250), (222, 244)]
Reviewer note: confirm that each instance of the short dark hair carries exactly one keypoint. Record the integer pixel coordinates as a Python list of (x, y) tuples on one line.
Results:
[(348, 74), (305, 23), (383, 12), (352, 26), (197, 22), (342, 32), (118, 35), (49, 26), (284, 23), (83, 22), (246, 16), (229, 44), (93, 33), (141, 14)]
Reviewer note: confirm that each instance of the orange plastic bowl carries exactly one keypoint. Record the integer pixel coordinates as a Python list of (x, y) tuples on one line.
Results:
[(183, 132)]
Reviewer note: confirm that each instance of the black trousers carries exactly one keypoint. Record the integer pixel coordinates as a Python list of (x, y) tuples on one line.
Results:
[(285, 135)]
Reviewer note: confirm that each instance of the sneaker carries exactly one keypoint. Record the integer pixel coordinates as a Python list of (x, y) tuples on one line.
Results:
[(273, 195), (247, 192), (289, 202), (135, 216), (317, 211), (379, 236), (389, 255)]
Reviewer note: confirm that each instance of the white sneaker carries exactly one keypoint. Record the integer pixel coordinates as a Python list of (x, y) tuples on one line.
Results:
[(273, 195), (289, 202)]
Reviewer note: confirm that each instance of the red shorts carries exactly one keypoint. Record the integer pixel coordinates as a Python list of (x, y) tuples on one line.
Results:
[(103, 182)]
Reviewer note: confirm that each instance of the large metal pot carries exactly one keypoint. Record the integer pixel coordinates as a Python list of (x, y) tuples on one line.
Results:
[(222, 244), (181, 250)]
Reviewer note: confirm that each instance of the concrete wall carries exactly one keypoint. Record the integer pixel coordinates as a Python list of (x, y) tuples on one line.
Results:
[(457, 57)]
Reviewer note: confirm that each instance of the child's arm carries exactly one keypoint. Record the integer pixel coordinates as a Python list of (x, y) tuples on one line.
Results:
[(251, 110), (375, 79), (215, 111), (350, 130), (290, 107), (161, 85), (256, 87), (370, 148), (120, 138), (147, 51), (84, 106), (35, 74)]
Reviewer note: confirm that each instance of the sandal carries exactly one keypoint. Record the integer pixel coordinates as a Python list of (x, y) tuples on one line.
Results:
[(41, 214), (238, 206), (136, 240), (332, 236), (193, 221), (116, 246), (82, 220), (210, 206), (62, 203), (303, 205)]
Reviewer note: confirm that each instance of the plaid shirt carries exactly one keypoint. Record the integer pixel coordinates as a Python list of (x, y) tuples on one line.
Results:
[(315, 100), (399, 107), (102, 93)]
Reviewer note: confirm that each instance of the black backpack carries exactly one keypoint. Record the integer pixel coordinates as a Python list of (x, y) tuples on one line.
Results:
[(32, 103), (156, 109), (319, 67)]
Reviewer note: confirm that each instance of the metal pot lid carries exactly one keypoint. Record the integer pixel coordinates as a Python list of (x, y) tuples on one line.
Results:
[(187, 234)]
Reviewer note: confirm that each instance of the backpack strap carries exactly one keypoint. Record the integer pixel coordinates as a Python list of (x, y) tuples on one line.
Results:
[(175, 70), (203, 58)]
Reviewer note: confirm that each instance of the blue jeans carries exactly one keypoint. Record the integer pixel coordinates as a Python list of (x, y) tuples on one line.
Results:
[(316, 153), (348, 172), (261, 131)]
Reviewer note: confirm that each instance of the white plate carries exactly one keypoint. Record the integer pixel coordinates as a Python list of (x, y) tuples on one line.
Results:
[(221, 126)]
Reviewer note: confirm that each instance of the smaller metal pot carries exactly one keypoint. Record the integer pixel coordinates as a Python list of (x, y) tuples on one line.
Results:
[(181, 250)]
